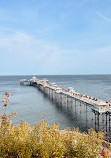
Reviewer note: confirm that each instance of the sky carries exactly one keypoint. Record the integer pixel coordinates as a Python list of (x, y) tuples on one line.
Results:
[(55, 37)]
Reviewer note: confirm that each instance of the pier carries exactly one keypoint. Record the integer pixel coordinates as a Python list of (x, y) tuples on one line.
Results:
[(101, 110)]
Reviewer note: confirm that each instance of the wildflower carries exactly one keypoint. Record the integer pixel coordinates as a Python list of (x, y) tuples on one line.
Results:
[(103, 153), (6, 93), (5, 105)]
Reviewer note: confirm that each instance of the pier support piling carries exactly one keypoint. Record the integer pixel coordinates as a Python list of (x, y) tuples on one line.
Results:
[(92, 115), (109, 121), (80, 107), (98, 120), (106, 121)]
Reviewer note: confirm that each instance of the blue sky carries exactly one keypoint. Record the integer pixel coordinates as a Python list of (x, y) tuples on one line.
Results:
[(55, 37)]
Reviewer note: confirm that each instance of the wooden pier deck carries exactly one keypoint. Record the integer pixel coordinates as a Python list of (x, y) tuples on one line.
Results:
[(69, 95), (46, 87)]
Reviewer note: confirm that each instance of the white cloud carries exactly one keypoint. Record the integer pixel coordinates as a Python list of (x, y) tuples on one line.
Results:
[(21, 50), (105, 50), (21, 53), (103, 17)]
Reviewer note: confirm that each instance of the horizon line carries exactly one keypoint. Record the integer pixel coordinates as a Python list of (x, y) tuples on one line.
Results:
[(55, 74)]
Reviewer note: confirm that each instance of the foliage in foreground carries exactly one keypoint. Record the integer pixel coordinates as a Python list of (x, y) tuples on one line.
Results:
[(42, 141)]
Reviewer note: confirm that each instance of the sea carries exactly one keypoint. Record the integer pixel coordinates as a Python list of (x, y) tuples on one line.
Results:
[(30, 103)]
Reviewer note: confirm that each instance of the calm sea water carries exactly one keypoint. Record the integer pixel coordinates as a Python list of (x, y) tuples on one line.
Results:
[(30, 103)]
